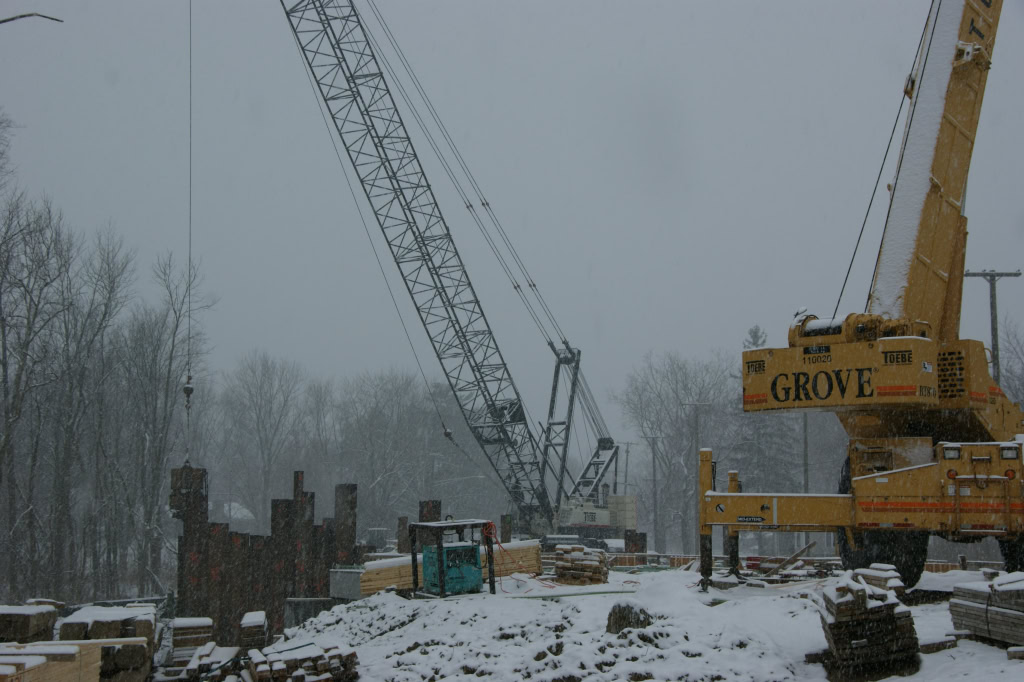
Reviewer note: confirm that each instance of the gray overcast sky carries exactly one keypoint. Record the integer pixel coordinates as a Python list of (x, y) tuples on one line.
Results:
[(672, 172)]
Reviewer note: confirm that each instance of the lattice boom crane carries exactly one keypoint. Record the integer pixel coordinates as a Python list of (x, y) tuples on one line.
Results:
[(351, 83)]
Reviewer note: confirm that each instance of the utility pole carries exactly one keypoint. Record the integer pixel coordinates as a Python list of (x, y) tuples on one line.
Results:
[(625, 483), (696, 467), (806, 470), (991, 276), (654, 479)]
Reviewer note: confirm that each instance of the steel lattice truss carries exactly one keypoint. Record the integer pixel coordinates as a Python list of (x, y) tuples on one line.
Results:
[(352, 85)]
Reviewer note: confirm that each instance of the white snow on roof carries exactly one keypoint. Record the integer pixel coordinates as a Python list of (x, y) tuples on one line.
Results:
[(913, 180)]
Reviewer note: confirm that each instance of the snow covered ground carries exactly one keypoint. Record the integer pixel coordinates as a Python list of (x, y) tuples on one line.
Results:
[(535, 630)]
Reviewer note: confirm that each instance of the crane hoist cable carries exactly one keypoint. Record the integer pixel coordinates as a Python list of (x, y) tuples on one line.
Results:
[(881, 168), (484, 203), (588, 400), (188, 388), (460, 190)]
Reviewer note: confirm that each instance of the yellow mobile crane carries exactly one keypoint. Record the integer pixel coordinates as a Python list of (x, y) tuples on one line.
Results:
[(934, 446)]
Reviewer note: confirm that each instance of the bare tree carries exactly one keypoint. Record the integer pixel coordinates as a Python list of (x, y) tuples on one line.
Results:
[(94, 291), (682, 405), (6, 124), (262, 400), (35, 256), (154, 349)]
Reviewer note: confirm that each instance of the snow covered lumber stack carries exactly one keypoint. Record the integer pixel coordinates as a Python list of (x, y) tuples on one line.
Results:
[(867, 627), (187, 635), (59, 663), (212, 662), (516, 557), (91, 660), (254, 630), (882, 576), (306, 662), (993, 609), (577, 565), (111, 622), (27, 623)]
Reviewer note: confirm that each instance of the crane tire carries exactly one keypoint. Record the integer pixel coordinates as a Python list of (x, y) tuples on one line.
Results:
[(906, 550), (1012, 550)]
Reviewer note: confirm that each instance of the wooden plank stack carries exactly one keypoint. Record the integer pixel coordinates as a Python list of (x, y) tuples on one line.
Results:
[(212, 662), (516, 557), (125, 636), (125, 659), (882, 576), (578, 565), (63, 662), (254, 630), (30, 623), (90, 660), (187, 635), (867, 628), (308, 662), (993, 609)]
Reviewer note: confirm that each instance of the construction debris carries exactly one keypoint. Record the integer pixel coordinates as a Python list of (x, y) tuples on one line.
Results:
[(27, 623), (993, 608), (577, 565), (867, 628)]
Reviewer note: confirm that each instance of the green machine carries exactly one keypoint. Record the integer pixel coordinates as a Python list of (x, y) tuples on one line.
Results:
[(461, 564)]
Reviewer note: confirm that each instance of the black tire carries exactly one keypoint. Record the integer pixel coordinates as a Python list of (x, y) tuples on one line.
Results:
[(906, 550), (1013, 553)]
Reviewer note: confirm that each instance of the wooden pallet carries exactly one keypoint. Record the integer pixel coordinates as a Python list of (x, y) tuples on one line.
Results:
[(993, 609)]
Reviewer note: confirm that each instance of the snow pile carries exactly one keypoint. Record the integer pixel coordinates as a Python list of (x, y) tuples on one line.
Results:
[(535, 630), (564, 637)]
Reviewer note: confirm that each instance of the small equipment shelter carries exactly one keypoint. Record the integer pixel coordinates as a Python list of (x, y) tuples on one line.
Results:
[(453, 568)]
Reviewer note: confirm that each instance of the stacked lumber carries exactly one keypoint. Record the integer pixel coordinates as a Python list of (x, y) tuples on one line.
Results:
[(867, 628), (111, 622), (62, 662), (187, 635), (307, 662), (30, 623), (992, 608), (882, 576), (126, 637), (212, 662), (514, 557), (42, 601), (254, 630), (24, 668), (124, 659), (91, 660), (578, 565)]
